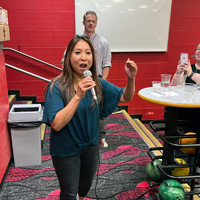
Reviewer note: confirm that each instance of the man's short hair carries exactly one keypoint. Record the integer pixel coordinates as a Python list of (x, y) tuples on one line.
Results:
[(89, 13)]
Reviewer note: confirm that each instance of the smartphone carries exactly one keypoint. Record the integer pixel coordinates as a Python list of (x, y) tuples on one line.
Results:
[(184, 58)]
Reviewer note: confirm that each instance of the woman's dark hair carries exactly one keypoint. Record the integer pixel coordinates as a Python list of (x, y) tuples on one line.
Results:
[(65, 79)]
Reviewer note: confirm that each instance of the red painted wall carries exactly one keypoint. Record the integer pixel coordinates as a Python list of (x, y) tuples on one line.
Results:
[(5, 146), (44, 28)]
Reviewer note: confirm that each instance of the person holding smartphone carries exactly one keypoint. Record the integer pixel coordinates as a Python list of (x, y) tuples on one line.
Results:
[(192, 71)]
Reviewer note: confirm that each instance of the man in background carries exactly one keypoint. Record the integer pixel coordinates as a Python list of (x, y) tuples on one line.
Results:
[(103, 58)]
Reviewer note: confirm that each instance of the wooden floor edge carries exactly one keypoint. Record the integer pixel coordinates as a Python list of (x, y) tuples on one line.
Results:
[(11, 97), (142, 134), (148, 133), (43, 127)]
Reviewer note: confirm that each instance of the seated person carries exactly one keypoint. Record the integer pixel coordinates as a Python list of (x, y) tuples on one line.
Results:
[(192, 71)]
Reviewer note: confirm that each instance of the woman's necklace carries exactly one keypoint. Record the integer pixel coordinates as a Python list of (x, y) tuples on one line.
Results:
[(196, 65)]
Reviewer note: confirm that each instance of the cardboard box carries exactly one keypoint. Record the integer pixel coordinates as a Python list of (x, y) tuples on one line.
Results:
[(4, 33), (3, 16)]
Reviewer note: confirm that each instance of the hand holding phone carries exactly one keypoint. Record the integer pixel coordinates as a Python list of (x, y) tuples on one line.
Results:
[(184, 58)]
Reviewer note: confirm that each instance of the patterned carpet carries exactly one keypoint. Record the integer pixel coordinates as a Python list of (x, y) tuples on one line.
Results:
[(121, 174)]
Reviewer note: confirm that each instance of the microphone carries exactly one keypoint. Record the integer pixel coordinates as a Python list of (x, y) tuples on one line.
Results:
[(88, 73)]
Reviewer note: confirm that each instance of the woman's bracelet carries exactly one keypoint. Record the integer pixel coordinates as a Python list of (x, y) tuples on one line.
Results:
[(191, 75)]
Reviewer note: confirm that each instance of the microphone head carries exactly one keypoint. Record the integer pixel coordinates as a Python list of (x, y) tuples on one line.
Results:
[(87, 73)]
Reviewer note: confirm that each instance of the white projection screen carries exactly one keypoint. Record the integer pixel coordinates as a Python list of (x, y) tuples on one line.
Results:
[(129, 25)]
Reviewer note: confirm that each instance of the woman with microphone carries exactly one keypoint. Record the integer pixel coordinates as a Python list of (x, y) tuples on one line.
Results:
[(73, 115)]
